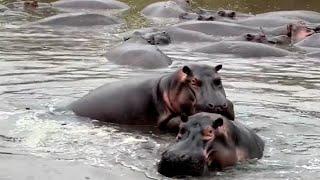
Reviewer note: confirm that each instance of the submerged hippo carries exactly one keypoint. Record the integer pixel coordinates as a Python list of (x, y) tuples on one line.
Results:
[(242, 49), (309, 16), (78, 20), (154, 101), (217, 28), (167, 9), (90, 4), (138, 52), (209, 142)]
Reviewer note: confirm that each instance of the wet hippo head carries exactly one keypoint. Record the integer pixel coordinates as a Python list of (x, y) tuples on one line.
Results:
[(158, 38), (298, 32), (227, 13), (259, 38), (205, 18), (31, 4), (196, 88), (202, 145)]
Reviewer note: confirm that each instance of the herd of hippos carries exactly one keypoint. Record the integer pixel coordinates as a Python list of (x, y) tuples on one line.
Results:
[(190, 101)]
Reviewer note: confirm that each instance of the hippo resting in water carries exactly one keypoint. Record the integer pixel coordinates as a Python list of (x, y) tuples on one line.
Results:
[(77, 20), (242, 49), (154, 101), (209, 142), (167, 9), (138, 52), (90, 4)]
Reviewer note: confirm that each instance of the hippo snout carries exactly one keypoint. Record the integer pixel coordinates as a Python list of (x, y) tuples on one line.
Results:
[(179, 163)]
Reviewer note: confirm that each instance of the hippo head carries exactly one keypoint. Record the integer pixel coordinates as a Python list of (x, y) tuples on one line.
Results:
[(158, 38), (298, 32), (31, 4), (227, 13), (259, 38), (196, 88), (202, 145)]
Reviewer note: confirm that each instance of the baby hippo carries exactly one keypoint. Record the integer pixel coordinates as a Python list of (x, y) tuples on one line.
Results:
[(209, 142)]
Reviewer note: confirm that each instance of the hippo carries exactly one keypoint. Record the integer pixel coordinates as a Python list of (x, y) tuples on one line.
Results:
[(243, 49), (308, 16), (167, 9), (139, 53), (78, 20), (155, 100), (217, 28), (90, 4), (223, 14), (209, 142)]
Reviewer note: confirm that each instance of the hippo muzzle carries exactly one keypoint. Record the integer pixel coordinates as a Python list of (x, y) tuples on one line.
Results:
[(190, 155)]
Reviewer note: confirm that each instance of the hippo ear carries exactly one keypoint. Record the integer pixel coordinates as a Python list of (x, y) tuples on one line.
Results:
[(187, 71), (218, 67), (217, 123)]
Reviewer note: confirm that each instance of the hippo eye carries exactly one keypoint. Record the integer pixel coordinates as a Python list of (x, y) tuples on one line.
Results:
[(232, 14), (221, 13), (217, 82)]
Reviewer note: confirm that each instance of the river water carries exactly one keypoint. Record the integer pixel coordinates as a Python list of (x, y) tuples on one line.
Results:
[(43, 69)]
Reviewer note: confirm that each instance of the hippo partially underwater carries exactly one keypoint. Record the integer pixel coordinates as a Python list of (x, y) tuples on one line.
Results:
[(209, 142), (155, 101)]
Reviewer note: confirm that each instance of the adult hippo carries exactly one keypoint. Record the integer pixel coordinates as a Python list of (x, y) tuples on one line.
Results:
[(242, 49), (217, 28), (154, 101), (209, 142), (167, 9), (90, 4), (138, 52), (78, 20), (309, 16)]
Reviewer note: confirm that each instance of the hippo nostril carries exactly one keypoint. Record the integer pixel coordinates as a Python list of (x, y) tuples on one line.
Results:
[(211, 105), (184, 157), (225, 105)]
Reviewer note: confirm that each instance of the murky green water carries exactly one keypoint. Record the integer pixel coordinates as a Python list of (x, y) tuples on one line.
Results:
[(45, 68)]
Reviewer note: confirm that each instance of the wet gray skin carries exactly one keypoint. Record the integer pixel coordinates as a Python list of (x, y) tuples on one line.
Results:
[(308, 16), (78, 20), (153, 37), (266, 21), (312, 41), (243, 49), (209, 142), (90, 4), (167, 9), (216, 28), (145, 101), (138, 52)]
